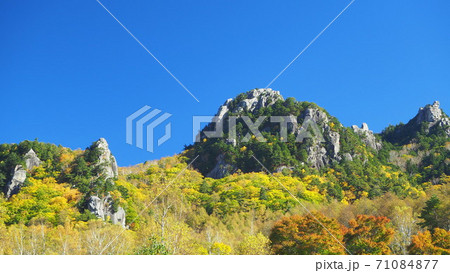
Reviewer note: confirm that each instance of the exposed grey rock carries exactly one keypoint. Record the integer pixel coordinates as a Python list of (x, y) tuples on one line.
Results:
[(318, 155), (258, 98), (316, 115), (223, 110), (97, 206), (348, 157), (101, 207), (221, 169), (334, 142), (284, 167), (31, 160), (19, 176), (321, 150), (429, 113), (255, 99), (433, 115), (118, 218), (106, 159), (367, 136)]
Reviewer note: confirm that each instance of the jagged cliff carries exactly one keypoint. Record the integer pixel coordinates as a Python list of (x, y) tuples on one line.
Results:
[(320, 148), (102, 205), (328, 142), (19, 173), (92, 171)]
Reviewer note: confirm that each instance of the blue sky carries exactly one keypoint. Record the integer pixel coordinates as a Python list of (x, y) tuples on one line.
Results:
[(70, 74)]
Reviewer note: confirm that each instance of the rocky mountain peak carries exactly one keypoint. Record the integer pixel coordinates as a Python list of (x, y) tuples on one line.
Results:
[(106, 159), (249, 101), (430, 113), (433, 115)]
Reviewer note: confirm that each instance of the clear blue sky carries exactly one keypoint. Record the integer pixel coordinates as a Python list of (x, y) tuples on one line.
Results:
[(70, 74)]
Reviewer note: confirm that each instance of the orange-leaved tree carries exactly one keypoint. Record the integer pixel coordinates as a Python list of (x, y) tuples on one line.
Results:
[(369, 235), (304, 235), (427, 243)]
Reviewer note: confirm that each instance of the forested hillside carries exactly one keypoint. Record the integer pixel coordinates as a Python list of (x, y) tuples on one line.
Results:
[(381, 193)]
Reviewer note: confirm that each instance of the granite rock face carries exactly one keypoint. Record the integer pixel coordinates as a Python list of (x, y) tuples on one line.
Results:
[(19, 174), (96, 206), (317, 156), (325, 147), (433, 115), (367, 136), (31, 160), (253, 100), (18, 178), (101, 207), (106, 159), (430, 113), (322, 149)]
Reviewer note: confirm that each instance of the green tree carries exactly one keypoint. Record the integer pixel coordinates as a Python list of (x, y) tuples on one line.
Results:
[(434, 214)]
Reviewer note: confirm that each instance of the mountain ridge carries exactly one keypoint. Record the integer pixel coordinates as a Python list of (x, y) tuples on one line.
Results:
[(340, 140)]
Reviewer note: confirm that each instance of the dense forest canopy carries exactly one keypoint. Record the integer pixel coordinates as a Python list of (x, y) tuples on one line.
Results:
[(388, 195)]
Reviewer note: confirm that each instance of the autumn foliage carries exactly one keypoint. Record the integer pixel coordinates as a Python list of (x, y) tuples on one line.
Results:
[(427, 243), (303, 235), (369, 235)]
